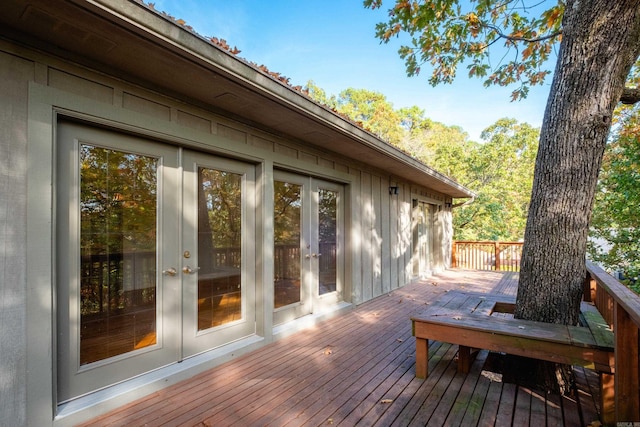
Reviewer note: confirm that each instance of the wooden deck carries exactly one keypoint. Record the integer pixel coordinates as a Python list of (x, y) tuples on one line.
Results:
[(359, 369)]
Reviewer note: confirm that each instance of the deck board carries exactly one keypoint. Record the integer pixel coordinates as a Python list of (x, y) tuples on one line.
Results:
[(359, 369)]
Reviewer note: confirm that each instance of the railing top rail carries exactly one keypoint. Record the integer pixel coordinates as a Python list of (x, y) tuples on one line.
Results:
[(625, 297), (486, 242)]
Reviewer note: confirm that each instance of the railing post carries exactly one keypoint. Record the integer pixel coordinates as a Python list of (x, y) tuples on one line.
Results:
[(586, 288), (497, 255), (454, 255), (626, 359)]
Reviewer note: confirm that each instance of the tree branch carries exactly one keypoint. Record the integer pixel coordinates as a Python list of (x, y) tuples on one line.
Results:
[(521, 39), (630, 96)]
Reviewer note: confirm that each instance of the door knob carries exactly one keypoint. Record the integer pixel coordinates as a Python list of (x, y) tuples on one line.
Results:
[(188, 270), (170, 271)]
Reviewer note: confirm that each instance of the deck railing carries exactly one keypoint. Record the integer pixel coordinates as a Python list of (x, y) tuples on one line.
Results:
[(498, 256), (620, 307)]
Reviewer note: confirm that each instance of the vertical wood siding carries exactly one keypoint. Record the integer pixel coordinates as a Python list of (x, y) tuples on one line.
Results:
[(15, 73)]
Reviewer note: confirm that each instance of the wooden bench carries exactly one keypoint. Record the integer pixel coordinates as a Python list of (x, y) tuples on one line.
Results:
[(471, 321)]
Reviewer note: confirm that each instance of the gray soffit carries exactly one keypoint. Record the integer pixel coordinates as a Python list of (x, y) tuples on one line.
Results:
[(126, 39)]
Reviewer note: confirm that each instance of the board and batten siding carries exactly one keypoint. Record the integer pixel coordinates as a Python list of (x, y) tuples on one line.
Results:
[(15, 74), (33, 85), (385, 237)]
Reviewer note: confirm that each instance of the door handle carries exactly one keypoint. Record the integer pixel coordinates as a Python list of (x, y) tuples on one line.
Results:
[(169, 272), (188, 270), (316, 255)]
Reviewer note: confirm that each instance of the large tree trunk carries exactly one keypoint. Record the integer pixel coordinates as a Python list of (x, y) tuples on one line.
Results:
[(600, 43)]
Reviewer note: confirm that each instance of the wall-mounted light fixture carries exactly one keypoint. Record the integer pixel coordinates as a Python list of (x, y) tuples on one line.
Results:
[(393, 190)]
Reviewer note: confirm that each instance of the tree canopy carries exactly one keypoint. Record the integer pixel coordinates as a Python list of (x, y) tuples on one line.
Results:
[(504, 42), (450, 33), (501, 171)]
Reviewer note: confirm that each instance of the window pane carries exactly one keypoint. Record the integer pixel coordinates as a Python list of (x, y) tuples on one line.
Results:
[(118, 207), (219, 247), (328, 231), (287, 221)]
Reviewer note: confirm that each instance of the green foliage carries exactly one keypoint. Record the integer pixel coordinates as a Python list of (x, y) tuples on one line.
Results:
[(373, 111), (442, 147), (478, 34), (318, 94), (500, 170), (615, 223), (501, 173)]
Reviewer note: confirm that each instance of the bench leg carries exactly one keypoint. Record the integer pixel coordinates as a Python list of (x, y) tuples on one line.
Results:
[(607, 399), (422, 358), (464, 359)]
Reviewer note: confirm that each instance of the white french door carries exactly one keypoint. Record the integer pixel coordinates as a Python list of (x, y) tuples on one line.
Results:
[(308, 245), (154, 255)]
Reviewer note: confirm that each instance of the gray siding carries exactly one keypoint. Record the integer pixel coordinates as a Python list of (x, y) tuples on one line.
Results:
[(15, 73)]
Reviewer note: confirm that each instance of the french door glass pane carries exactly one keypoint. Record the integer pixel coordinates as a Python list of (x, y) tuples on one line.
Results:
[(287, 240), (219, 247), (118, 223), (327, 230)]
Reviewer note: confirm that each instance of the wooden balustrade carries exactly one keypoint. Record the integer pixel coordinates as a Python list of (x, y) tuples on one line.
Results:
[(498, 256), (620, 307)]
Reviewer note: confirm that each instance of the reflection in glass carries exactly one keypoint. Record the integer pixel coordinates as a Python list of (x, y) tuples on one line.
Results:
[(118, 207), (219, 247), (287, 221), (328, 229)]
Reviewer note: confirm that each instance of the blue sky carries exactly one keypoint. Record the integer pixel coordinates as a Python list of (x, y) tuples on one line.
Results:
[(332, 42)]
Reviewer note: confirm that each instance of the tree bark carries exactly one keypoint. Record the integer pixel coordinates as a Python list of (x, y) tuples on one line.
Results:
[(600, 43)]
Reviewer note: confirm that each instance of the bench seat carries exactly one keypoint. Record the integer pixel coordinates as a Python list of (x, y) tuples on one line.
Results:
[(472, 321)]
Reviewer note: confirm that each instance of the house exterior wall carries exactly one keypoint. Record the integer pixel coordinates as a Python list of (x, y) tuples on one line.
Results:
[(15, 73), (35, 89)]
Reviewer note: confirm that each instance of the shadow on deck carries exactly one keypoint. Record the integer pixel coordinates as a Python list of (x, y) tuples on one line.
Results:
[(359, 369)]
